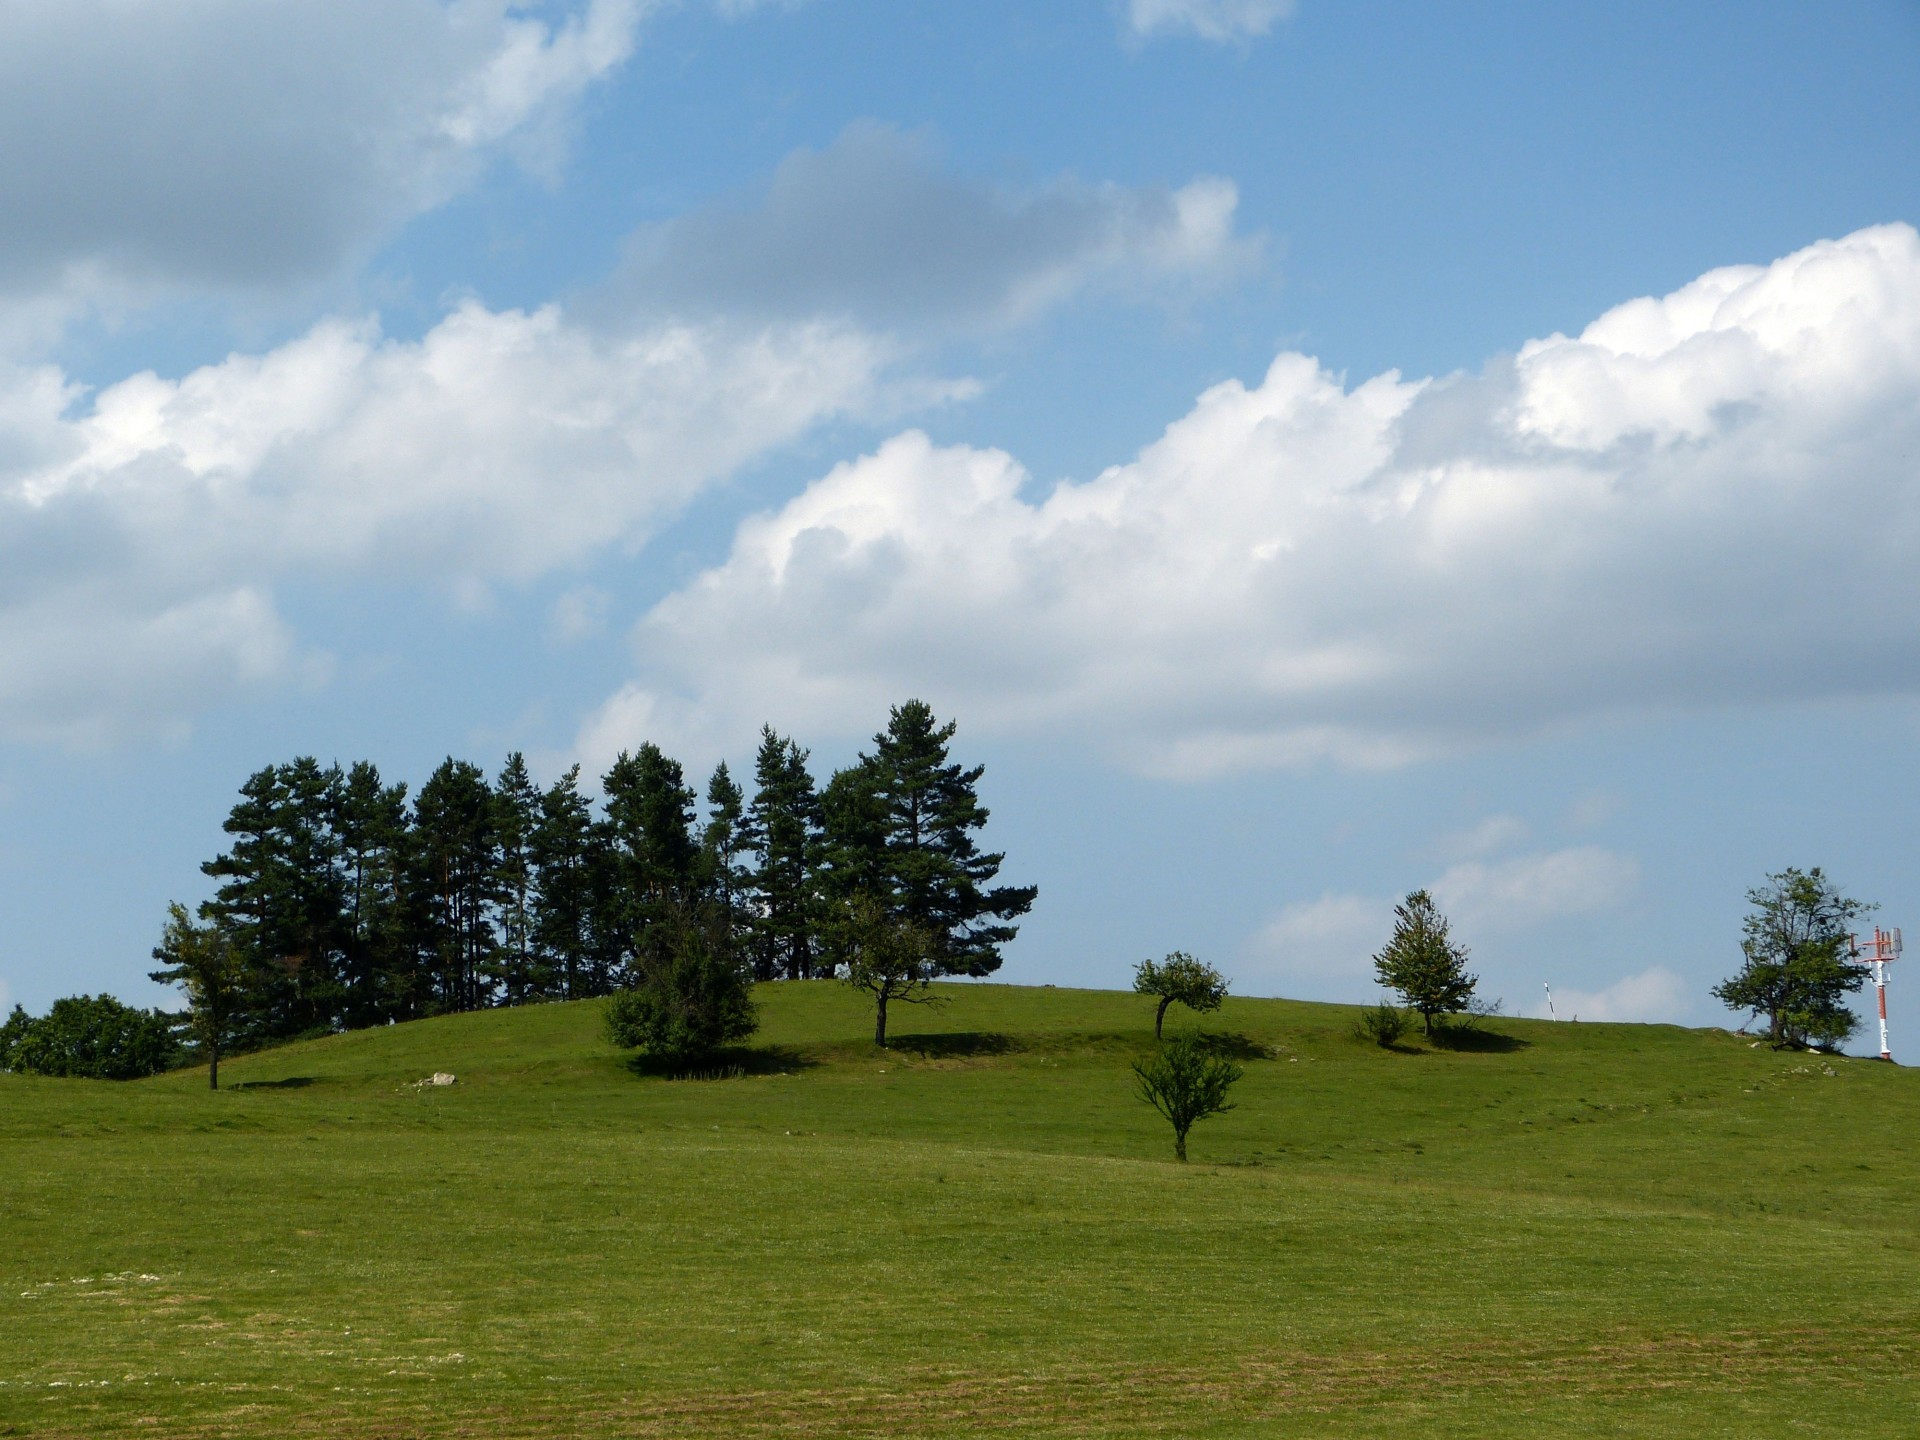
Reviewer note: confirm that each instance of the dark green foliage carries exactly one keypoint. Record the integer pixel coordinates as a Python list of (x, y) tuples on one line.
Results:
[(691, 994), (456, 885), (346, 902), (782, 829), (887, 957), (1797, 972), (1179, 977), (206, 964), (903, 832), (516, 816), (89, 1037), (1422, 964), (373, 836), (1186, 1082), (575, 949), (1383, 1025), (651, 846)]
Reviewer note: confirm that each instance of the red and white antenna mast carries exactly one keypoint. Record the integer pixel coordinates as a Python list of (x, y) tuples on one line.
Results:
[(1884, 950)]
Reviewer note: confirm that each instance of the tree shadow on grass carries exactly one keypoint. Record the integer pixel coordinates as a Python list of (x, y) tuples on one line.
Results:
[(733, 1063), (1473, 1040), (1230, 1045), (292, 1082), (957, 1045)]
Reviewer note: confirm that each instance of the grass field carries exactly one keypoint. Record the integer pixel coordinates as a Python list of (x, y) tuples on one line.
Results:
[(1574, 1230)]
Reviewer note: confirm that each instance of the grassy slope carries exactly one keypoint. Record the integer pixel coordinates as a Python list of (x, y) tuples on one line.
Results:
[(1610, 1230)]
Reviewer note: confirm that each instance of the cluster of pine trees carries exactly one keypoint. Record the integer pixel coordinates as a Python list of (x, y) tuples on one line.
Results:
[(347, 903)]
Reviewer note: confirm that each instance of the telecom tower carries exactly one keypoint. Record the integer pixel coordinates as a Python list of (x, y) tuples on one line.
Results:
[(1881, 952)]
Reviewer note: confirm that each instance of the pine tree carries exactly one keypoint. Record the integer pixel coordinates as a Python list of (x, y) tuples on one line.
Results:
[(570, 858), (722, 878), (782, 829), (455, 859), (936, 877), (372, 830), (1422, 964), (649, 826), (516, 815)]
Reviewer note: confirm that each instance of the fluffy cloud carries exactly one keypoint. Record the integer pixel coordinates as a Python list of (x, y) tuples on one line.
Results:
[(141, 534), (1209, 19), (226, 143), (1702, 499), (874, 229), (1323, 949)]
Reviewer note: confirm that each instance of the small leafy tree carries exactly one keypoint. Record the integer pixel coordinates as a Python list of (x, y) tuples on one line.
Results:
[(1179, 977), (1796, 971), (887, 957), (204, 962), (692, 993), (1186, 1082), (1422, 964), (89, 1037)]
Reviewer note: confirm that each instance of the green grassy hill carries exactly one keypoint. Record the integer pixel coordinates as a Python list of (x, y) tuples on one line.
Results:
[(1573, 1230)]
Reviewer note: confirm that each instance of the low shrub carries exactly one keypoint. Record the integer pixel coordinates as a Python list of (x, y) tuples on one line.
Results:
[(1384, 1025)]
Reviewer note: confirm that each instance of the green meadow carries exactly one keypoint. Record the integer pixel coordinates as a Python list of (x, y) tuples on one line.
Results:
[(1572, 1229)]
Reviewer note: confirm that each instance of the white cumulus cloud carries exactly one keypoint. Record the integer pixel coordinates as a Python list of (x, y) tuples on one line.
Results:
[(1697, 501), (143, 529)]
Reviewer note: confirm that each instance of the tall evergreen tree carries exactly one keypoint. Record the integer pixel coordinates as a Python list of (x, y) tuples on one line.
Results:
[(937, 878), (372, 831), (516, 816), (722, 875), (649, 825), (280, 897), (569, 855), (782, 828), (456, 875)]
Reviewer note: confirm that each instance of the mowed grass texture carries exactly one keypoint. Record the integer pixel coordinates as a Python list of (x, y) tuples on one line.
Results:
[(1573, 1230)]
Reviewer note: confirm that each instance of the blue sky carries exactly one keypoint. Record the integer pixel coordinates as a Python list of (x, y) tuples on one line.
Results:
[(1313, 450)]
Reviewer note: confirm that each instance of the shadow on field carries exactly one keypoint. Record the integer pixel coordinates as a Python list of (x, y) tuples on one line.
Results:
[(733, 1063), (292, 1082), (1230, 1045), (962, 1044), (1473, 1040)]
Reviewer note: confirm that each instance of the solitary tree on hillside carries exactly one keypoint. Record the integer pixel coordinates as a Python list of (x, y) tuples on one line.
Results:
[(1422, 964), (1186, 1082), (203, 961), (1183, 978), (887, 957), (1796, 971)]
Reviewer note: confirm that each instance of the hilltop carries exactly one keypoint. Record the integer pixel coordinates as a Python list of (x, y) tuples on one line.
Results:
[(1566, 1229)]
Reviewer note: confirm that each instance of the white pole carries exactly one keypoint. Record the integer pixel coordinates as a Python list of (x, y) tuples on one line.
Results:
[(1551, 1015), (1880, 989)]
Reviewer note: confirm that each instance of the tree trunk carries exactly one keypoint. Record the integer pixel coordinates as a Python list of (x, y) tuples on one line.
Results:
[(213, 1067), (1180, 1145), (1160, 1015), (880, 1021)]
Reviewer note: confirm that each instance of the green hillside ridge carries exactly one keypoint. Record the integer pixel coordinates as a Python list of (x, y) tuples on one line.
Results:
[(1570, 1229)]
